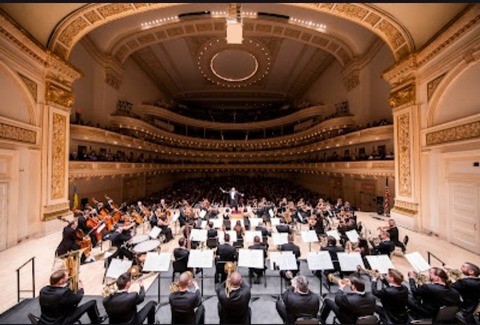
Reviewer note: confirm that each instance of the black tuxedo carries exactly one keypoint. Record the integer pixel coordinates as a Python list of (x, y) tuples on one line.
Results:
[(226, 252), (212, 233), (182, 306), (428, 298), (349, 306), (394, 237), (121, 308), (333, 250), (386, 247), (58, 305), (394, 302), (181, 254), (265, 231), (469, 289), (284, 228), (294, 305), (234, 309)]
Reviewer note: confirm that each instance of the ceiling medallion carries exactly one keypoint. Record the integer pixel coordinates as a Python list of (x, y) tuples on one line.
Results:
[(232, 65)]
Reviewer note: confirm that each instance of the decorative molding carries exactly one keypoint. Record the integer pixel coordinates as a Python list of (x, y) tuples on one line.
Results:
[(402, 96), (457, 133), (112, 78), (51, 212), (15, 133), (31, 86), (401, 72), (404, 151), (60, 71), (59, 154), (432, 85), (58, 95), (351, 81)]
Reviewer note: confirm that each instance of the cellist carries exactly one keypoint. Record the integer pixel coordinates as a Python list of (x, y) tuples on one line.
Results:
[(87, 225)]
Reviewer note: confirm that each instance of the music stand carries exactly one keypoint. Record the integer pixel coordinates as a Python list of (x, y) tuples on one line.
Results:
[(200, 259), (157, 262), (309, 236), (380, 262), (349, 261), (417, 261), (217, 223), (279, 238), (232, 233), (155, 232), (250, 235), (254, 222), (319, 261), (334, 233), (117, 267), (175, 217), (283, 261), (199, 235), (352, 236)]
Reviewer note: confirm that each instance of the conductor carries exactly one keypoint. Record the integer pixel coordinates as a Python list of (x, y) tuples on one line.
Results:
[(233, 196)]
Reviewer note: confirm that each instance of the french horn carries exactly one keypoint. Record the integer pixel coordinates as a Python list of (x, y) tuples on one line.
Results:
[(229, 268), (334, 279)]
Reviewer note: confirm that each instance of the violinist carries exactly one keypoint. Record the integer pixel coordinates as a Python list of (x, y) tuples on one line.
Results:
[(69, 240), (160, 219)]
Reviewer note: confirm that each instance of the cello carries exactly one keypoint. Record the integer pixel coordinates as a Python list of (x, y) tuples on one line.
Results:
[(105, 216), (116, 213), (82, 240)]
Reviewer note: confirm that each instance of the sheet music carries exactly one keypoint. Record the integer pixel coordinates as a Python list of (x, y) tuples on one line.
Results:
[(233, 236), (249, 235), (157, 262), (349, 261), (283, 260), (198, 235), (334, 233), (217, 223), (380, 262), (254, 222), (155, 232), (309, 236), (352, 236), (417, 261), (251, 258), (99, 229), (203, 213), (203, 259), (279, 238), (117, 267), (271, 213), (204, 224), (275, 221), (176, 215), (319, 261)]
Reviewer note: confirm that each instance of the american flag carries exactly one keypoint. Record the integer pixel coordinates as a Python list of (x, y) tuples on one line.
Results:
[(386, 201)]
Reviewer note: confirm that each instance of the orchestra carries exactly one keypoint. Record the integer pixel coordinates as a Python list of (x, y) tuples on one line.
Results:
[(388, 302)]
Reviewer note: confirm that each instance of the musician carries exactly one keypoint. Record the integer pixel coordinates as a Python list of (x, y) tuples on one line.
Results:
[(211, 232), (393, 296), (283, 227), (160, 219), (240, 230), (181, 253), (182, 218), (121, 306), (235, 308), (469, 289), (385, 247), (119, 236), (265, 231), (82, 224), (332, 249), (233, 196), (59, 304), (392, 230), (257, 273), (425, 300), (317, 222), (69, 240), (297, 301), (186, 306), (225, 253), (348, 306), (295, 249)]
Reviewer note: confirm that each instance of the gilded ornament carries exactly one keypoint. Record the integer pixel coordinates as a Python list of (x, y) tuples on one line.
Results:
[(59, 96), (145, 39), (58, 172), (72, 30), (404, 170), (92, 16), (394, 36), (15, 133), (351, 10), (432, 85), (372, 19), (114, 9), (293, 33), (457, 133), (402, 96), (31, 86)]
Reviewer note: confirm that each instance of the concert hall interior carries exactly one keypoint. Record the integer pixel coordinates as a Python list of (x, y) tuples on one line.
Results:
[(122, 123)]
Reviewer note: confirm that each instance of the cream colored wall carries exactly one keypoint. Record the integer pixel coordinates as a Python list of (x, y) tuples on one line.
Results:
[(329, 88)]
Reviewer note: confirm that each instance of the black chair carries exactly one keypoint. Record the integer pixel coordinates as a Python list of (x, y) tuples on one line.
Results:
[(445, 315), (307, 321), (220, 271), (36, 320), (239, 243), (179, 267), (367, 319), (212, 243)]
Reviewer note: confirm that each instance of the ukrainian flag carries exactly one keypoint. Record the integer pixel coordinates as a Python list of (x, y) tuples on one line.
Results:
[(75, 197)]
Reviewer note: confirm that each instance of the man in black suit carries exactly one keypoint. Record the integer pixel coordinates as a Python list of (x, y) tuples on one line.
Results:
[(121, 306), (181, 253), (469, 289), (119, 236), (295, 249), (393, 296), (257, 273), (348, 306), (385, 247), (68, 239), (233, 196), (186, 306), (225, 253), (394, 235), (425, 300), (332, 248), (59, 304), (234, 308), (283, 227), (298, 301)]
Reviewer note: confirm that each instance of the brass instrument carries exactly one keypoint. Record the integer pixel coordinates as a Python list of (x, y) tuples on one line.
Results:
[(334, 279), (109, 289), (370, 273), (72, 265), (135, 272), (174, 286), (421, 278), (349, 247), (453, 274), (323, 240), (229, 268)]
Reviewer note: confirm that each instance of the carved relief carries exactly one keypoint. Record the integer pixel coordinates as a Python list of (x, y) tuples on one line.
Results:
[(404, 168), (351, 10), (402, 96), (293, 33), (59, 96), (395, 38), (59, 136), (112, 79), (263, 28), (432, 85), (72, 30), (351, 81), (31, 86), (114, 9), (92, 16), (343, 55), (457, 133), (10, 132), (145, 39), (320, 41), (174, 32), (372, 19)]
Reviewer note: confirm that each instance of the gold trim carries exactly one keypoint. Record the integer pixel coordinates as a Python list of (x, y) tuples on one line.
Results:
[(31, 86), (456, 133), (432, 85), (58, 95), (10, 132), (404, 168), (402, 96), (59, 134)]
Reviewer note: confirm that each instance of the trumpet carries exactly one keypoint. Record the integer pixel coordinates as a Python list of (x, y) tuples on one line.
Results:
[(370, 273), (109, 289), (229, 268), (334, 279)]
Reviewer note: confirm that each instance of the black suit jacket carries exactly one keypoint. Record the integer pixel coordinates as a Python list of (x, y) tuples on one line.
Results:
[(291, 247), (469, 289), (234, 309), (182, 306), (353, 305), (212, 233), (333, 250), (300, 305), (181, 254), (265, 231), (121, 307), (394, 301), (434, 296), (284, 228), (68, 240), (226, 252), (386, 247), (57, 303)]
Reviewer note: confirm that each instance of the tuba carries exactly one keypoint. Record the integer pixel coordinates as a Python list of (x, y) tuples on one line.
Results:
[(71, 262), (229, 268)]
